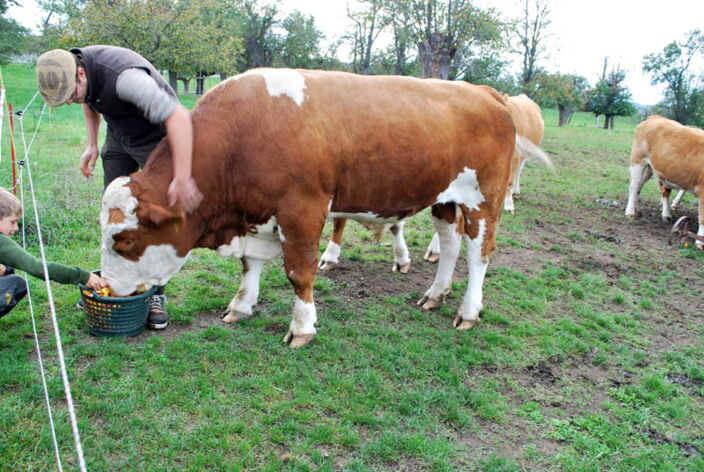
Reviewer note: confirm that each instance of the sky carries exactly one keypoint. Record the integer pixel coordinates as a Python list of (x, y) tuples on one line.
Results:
[(582, 33)]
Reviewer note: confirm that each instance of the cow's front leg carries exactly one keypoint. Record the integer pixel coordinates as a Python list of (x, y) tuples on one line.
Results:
[(640, 173), (432, 254), (300, 232), (449, 243), (241, 305), (402, 258)]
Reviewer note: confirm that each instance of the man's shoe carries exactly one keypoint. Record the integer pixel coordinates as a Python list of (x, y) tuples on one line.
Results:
[(157, 318)]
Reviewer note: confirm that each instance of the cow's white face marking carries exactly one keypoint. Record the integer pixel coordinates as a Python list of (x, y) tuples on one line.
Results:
[(464, 189), (155, 267), (263, 245), (281, 82)]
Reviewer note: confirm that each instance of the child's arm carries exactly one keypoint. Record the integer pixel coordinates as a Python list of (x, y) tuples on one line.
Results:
[(14, 256)]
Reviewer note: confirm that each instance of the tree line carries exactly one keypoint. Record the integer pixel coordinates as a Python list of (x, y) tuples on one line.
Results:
[(446, 39)]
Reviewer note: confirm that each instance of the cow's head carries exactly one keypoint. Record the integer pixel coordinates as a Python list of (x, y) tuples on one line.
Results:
[(142, 242)]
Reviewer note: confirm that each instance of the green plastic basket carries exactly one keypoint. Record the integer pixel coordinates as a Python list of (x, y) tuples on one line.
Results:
[(115, 316)]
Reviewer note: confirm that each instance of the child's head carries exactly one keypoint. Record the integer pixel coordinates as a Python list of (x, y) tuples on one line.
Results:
[(10, 212)]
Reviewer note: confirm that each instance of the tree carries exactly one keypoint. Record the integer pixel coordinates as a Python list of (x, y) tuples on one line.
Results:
[(672, 67), (564, 91), (610, 98), (181, 37), (299, 46), (531, 30), (369, 23), (12, 34)]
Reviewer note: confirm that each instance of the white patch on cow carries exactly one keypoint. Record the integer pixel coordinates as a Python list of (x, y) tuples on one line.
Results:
[(118, 196), (367, 217), (449, 248), (464, 189), (281, 82), (264, 245), (332, 253), (155, 267), (477, 265), (401, 254), (248, 293), (304, 318), (698, 243), (282, 238)]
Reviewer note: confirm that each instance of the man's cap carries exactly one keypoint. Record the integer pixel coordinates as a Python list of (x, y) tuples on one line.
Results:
[(56, 75)]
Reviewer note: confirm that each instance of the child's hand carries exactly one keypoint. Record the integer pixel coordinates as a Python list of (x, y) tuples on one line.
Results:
[(96, 282), (2, 270)]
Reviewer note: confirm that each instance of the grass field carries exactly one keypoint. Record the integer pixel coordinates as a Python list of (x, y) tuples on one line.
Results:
[(589, 356)]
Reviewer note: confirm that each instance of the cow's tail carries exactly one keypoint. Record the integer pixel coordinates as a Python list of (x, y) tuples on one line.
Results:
[(527, 150)]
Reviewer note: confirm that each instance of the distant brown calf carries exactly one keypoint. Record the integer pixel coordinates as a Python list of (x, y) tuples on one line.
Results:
[(676, 154)]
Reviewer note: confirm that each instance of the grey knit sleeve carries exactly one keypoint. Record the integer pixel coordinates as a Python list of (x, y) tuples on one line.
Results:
[(139, 88)]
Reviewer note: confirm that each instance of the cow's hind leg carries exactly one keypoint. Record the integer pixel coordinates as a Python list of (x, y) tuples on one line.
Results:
[(640, 173), (444, 219), (402, 259), (480, 233), (241, 305), (700, 194), (678, 200), (331, 257), (432, 254), (665, 199)]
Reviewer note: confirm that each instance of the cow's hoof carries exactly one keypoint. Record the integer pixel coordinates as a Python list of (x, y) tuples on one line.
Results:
[(327, 265), (298, 340), (402, 268), (431, 303), (631, 217), (235, 316), (432, 257), (463, 325)]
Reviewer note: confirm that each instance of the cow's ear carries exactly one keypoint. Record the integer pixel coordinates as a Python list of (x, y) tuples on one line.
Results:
[(158, 215)]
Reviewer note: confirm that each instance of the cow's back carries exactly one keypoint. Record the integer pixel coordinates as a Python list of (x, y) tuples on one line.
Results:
[(361, 139), (527, 117), (675, 151)]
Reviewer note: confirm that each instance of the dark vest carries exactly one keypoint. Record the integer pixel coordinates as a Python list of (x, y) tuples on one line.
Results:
[(103, 64)]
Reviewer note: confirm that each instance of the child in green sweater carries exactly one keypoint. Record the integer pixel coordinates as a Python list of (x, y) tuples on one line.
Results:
[(13, 287)]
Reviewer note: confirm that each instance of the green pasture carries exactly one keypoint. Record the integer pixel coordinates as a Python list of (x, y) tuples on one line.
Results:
[(571, 368)]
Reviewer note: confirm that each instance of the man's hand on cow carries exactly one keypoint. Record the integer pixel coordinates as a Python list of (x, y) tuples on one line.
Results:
[(88, 161), (186, 193)]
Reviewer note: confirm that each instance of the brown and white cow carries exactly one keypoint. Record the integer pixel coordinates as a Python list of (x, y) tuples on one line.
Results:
[(676, 154), (529, 124), (277, 151)]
